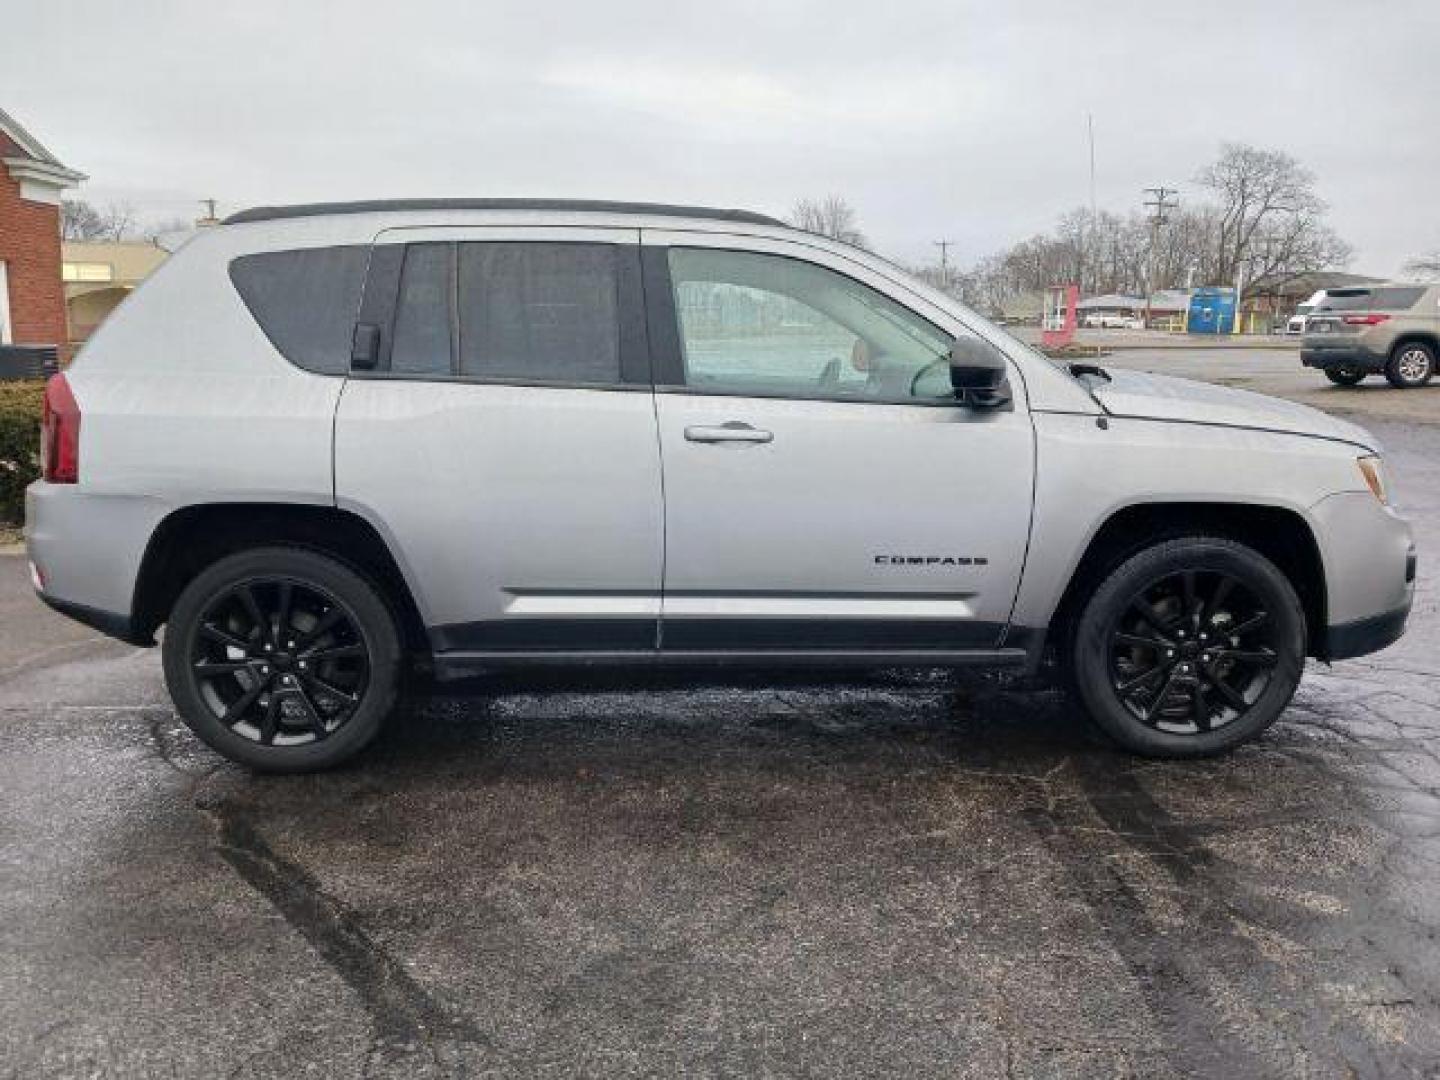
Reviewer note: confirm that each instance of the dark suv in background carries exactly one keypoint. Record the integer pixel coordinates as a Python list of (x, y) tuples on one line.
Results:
[(1390, 330)]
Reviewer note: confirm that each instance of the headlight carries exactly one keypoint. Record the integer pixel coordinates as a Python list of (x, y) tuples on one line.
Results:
[(1373, 469)]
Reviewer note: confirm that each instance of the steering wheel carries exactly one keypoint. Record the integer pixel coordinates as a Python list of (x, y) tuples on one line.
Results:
[(924, 372), (830, 376)]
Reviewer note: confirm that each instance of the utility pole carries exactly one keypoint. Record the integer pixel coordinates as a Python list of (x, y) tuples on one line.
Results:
[(209, 218), (944, 246), (1270, 247), (1160, 206), (1094, 212)]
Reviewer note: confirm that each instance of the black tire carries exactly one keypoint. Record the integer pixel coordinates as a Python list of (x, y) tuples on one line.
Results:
[(335, 647), (1412, 364), (1101, 667), (1345, 376)]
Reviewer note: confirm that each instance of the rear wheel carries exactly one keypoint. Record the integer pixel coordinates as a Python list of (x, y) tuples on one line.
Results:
[(1189, 648), (1344, 376), (1412, 364), (282, 659)]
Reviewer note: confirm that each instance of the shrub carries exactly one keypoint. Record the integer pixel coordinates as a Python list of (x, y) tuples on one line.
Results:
[(19, 445)]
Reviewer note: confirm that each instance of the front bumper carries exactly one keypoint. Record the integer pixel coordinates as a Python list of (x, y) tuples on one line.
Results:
[(1341, 355), (1370, 565), (1365, 636)]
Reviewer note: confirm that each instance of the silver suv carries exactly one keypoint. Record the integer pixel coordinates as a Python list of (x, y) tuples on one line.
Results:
[(326, 445), (1390, 330)]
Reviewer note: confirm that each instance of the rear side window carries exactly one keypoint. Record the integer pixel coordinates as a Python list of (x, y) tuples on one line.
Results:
[(305, 301), (1394, 299), (422, 312), (510, 311), (539, 311)]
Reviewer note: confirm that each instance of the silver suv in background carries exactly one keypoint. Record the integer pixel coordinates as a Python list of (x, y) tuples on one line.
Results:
[(1390, 330), (323, 442)]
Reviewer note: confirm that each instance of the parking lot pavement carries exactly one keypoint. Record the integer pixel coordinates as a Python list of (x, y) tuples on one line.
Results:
[(906, 876)]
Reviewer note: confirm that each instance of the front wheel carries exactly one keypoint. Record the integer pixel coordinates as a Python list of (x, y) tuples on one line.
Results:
[(1344, 376), (282, 659), (1189, 648), (1412, 365)]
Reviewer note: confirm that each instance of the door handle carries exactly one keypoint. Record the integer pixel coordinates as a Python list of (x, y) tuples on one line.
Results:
[(731, 431)]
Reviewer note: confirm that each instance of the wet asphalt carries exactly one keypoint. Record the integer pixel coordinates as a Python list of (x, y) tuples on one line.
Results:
[(910, 875)]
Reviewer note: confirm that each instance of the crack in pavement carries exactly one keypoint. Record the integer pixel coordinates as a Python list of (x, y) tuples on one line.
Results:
[(403, 1014)]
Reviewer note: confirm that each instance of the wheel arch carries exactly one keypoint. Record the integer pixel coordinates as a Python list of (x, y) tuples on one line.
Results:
[(1411, 337), (1282, 535), (191, 538)]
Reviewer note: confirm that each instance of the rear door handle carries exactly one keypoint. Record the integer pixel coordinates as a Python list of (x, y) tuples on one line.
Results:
[(731, 431)]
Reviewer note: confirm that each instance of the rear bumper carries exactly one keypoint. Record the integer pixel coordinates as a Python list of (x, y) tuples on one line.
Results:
[(107, 622), (86, 548), (1342, 356)]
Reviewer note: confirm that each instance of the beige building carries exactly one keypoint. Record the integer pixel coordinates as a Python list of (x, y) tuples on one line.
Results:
[(98, 275)]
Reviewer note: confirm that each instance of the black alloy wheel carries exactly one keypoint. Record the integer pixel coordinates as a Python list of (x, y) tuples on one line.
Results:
[(1192, 651), (282, 659), (1188, 647)]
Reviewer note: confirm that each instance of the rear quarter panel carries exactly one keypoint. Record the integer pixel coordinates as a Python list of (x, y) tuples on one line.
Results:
[(183, 400)]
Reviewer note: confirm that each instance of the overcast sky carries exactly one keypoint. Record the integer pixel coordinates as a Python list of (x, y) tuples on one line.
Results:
[(937, 120)]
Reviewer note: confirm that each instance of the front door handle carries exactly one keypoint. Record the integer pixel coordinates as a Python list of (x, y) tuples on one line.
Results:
[(731, 431)]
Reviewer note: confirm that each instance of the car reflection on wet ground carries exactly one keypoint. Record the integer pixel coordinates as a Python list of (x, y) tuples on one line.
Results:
[(908, 874)]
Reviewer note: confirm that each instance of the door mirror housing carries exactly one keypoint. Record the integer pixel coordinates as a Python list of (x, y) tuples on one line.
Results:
[(977, 373)]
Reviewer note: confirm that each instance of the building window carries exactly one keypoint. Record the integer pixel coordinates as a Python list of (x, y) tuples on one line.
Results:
[(87, 272)]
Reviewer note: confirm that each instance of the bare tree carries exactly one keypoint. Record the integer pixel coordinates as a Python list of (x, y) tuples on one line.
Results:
[(831, 216), (81, 221), (1424, 267), (1270, 222), (157, 229)]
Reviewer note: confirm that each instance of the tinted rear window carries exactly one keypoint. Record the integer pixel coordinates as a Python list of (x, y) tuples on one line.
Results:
[(1398, 299), (539, 311), (422, 312), (305, 301)]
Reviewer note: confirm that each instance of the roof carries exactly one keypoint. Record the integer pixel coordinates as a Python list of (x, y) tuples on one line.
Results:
[(1160, 300), (38, 163), (1304, 284), (1110, 300), (370, 206)]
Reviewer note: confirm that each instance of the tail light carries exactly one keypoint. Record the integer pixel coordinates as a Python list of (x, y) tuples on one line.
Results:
[(60, 434), (1371, 319)]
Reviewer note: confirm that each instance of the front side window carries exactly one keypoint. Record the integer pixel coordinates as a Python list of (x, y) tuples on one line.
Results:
[(767, 325)]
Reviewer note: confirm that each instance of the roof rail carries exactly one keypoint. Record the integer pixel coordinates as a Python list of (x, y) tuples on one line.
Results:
[(376, 206)]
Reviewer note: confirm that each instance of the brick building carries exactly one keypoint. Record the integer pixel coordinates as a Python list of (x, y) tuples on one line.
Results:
[(32, 299)]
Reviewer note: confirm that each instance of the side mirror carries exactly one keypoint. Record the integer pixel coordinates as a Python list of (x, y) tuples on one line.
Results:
[(977, 372)]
